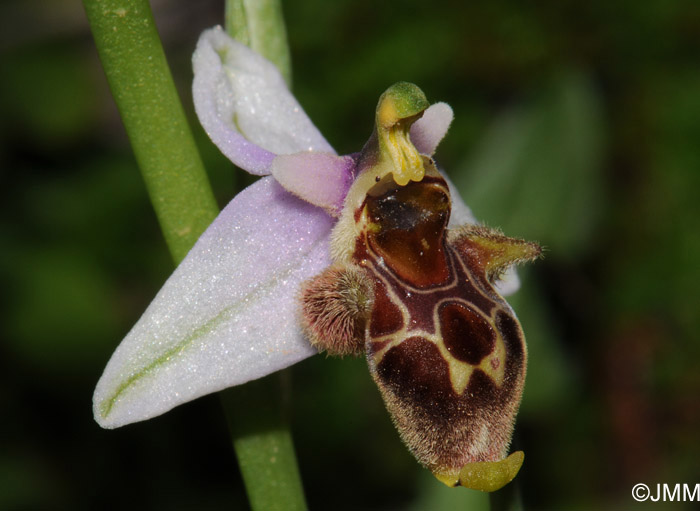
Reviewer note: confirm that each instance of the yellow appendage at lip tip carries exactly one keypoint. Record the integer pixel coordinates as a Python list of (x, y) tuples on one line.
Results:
[(484, 475)]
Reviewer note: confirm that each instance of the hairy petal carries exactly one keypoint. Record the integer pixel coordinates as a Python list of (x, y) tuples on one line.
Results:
[(431, 128), (319, 178), (227, 314), (245, 106)]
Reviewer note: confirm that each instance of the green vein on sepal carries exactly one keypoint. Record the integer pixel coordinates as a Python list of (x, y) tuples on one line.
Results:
[(106, 407), (258, 293)]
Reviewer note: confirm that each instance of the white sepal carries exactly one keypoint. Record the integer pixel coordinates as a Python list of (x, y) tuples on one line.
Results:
[(245, 106)]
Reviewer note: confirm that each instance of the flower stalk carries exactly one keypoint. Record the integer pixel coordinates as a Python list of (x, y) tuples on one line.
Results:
[(263, 444), (140, 80)]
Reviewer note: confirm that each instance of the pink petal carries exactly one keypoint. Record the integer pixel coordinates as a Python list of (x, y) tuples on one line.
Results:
[(429, 130), (319, 178), (227, 314)]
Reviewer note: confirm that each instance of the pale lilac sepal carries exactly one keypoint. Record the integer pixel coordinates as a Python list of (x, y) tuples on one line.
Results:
[(319, 178), (245, 106), (227, 314), (430, 129)]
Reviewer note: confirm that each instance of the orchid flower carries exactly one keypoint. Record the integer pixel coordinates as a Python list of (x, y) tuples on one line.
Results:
[(230, 312)]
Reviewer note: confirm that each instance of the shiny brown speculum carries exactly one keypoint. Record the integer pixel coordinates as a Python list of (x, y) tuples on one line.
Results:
[(444, 348)]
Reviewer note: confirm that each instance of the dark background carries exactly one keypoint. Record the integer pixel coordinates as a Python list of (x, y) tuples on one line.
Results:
[(576, 124)]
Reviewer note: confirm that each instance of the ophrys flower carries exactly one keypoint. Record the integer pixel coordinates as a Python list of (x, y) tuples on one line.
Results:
[(230, 312)]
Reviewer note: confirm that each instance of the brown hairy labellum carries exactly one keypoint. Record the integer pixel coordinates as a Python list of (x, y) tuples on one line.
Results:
[(444, 348)]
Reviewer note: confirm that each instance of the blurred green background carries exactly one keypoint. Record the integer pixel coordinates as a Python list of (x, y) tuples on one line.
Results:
[(577, 124)]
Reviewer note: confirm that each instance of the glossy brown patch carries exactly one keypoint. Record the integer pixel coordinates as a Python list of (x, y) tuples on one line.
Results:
[(416, 371), (410, 224), (467, 336)]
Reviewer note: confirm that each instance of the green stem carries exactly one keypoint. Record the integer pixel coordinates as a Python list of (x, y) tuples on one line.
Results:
[(263, 444), (259, 24), (262, 440), (142, 86)]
